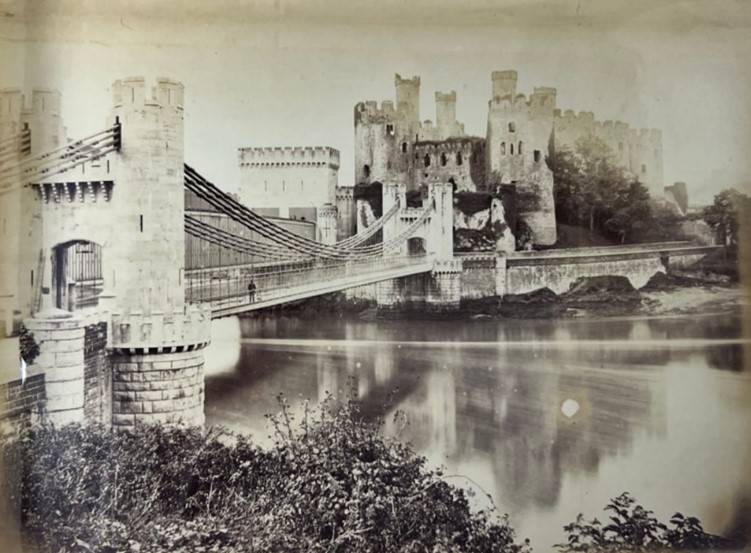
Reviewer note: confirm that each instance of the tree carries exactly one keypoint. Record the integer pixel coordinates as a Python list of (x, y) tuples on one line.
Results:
[(729, 208), (593, 191)]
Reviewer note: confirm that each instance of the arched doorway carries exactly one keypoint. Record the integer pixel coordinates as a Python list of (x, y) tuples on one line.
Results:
[(76, 274), (416, 246)]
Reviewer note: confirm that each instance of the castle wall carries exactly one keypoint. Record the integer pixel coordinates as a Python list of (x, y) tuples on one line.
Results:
[(639, 151), (287, 178), (446, 161)]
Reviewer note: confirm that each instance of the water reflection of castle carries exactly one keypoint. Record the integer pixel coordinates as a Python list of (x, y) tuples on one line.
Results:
[(506, 415), (494, 399)]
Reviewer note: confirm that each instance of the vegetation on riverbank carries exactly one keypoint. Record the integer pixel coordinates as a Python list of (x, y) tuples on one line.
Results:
[(631, 527), (333, 484)]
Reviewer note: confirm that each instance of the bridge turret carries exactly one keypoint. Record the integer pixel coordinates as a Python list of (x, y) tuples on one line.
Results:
[(154, 337), (393, 193), (441, 237), (149, 196)]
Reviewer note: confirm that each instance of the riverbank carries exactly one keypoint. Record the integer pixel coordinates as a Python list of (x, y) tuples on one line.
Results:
[(610, 296)]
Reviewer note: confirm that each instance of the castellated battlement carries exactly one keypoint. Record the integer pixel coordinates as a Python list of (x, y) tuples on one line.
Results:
[(369, 112), (13, 103), (445, 96), (570, 116), (646, 137), (306, 156), (132, 91), (399, 81), (137, 329)]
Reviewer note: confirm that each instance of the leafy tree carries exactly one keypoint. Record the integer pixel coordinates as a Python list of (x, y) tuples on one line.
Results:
[(592, 190), (725, 214)]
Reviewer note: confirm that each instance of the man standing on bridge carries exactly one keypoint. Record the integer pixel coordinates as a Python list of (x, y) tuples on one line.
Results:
[(252, 291)]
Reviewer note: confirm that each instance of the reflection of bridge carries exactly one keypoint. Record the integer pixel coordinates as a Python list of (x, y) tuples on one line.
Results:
[(119, 255)]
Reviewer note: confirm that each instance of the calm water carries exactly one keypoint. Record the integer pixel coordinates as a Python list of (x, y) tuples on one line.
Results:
[(664, 406)]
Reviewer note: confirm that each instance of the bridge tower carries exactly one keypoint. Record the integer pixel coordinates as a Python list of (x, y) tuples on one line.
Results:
[(440, 289), (156, 340)]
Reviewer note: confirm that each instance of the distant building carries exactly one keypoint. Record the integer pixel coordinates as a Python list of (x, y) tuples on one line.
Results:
[(292, 183)]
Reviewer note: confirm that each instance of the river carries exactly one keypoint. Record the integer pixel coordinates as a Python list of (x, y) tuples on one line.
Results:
[(549, 417)]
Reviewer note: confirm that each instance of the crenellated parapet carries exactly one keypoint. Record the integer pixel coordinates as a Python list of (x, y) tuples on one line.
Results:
[(270, 157), (371, 112), (158, 332), (133, 91)]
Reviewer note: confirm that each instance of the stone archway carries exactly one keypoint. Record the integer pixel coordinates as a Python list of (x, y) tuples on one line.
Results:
[(76, 274), (416, 246)]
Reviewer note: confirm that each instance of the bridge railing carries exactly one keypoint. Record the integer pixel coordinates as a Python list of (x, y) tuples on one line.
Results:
[(273, 281)]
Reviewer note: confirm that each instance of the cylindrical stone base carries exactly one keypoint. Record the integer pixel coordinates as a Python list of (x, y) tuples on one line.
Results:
[(61, 356), (158, 388)]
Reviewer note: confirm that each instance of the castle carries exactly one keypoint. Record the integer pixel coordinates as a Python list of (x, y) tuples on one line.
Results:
[(392, 145)]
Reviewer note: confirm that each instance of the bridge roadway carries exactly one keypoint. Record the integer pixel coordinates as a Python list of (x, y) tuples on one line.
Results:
[(226, 289)]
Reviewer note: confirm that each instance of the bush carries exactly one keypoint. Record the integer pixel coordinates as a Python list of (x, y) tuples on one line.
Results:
[(29, 349), (334, 484), (634, 528)]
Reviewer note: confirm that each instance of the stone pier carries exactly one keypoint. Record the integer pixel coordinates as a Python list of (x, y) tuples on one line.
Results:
[(60, 337)]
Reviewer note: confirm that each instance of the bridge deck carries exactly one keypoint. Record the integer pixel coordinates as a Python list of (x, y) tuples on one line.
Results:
[(228, 294)]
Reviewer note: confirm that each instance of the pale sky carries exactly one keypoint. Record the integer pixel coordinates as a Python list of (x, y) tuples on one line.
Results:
[(288, 73)]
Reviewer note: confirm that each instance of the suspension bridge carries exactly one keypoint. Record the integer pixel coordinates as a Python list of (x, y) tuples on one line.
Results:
[(117, 255)]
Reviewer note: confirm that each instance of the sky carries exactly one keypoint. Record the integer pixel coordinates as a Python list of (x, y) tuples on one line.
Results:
[(288, 73)]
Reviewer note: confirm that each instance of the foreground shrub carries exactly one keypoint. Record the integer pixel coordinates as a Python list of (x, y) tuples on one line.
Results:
[(330, 483), (634, 528)]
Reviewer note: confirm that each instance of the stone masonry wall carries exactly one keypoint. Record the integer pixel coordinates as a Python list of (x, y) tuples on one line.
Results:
[(478, 277), (97, 383), (162, 388), (61, 344), (21, 403)]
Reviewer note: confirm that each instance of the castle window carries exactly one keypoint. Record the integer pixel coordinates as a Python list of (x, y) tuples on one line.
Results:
[(643, 169), (520, 148), (512, 127), (443, 159), (459, 158), (537, 156), (265, 185), (404, 147), (511, 150), (366, 170), (503, 148), (426, 160), (390, 129)]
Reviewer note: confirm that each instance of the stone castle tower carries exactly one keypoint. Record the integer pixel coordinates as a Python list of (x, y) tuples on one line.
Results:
[(516, 145), (392, 145)]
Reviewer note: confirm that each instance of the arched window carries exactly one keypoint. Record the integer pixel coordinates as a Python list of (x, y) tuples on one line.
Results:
[(426, 160), (537, 156), (443, 159), (503, 148), (404, 147), (459, 159), (366, 170), (512, 127), (520, 148), (511, 151)]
